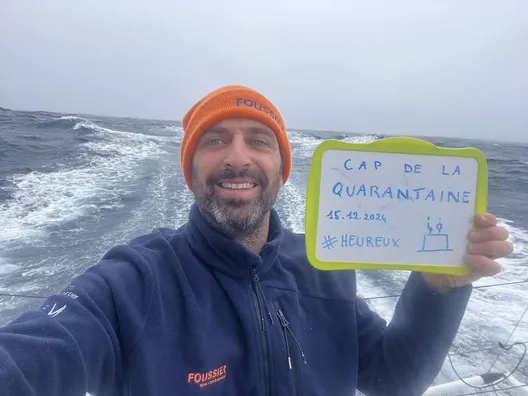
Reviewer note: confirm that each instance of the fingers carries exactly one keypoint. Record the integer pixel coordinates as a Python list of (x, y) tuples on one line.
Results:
[(482, 266), (493, 233), (485, 242), (490, 248), (486, 220)]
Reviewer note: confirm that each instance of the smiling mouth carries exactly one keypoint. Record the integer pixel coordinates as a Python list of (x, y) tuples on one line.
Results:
[(238, 186)]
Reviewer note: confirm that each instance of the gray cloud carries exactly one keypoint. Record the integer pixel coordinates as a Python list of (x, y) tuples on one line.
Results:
[(394, 67)]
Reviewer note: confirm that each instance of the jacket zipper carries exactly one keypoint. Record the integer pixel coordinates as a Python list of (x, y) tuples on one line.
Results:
[(292, 358), (260, 317)]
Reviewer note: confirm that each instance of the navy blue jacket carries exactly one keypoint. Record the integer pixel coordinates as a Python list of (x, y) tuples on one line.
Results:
[(189, 312)]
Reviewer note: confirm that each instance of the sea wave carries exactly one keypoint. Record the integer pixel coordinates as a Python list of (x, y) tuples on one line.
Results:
[(38, 200)]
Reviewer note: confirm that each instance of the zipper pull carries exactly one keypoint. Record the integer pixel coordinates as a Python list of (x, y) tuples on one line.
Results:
[(286, 327), (285, 324), (282, 318)]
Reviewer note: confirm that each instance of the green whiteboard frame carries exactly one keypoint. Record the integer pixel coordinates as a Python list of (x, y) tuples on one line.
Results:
[(398, 145)]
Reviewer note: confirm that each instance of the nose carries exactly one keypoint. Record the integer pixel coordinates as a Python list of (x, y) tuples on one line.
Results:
[(238, 155)]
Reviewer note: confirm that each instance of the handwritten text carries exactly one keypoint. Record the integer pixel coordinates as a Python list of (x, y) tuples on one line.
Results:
[(343, 190), (348, 240), (339, 215), (349, 165)]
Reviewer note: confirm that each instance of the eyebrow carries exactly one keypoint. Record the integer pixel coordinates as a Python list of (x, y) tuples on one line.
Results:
[(261, 130), (216, 129)]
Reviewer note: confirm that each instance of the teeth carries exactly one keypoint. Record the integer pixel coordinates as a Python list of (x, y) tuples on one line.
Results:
[(238, 186)]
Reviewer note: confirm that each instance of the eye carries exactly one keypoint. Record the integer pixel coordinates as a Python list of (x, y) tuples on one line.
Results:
[(260, 142), (214, 141)]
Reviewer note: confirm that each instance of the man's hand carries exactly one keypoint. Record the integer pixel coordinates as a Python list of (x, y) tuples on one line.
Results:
[(486, 243)]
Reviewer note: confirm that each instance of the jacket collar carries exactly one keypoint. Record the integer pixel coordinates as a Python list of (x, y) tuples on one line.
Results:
[(228, 256)]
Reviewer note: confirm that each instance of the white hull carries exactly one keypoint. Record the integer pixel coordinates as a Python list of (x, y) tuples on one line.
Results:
[(483, 382)]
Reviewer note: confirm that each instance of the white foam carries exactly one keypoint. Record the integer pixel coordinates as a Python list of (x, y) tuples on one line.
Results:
[(117, 136), (293, 203), (178, 130), (173, 128), (6, 268), (361, 139), (70, 118), (304, 144), (503, 305), (44, 199)]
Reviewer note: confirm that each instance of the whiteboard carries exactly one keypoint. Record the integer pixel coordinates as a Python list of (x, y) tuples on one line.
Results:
[(394, 209)]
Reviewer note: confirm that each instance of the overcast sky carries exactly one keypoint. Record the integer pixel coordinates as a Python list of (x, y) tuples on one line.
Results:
[(444, 68)]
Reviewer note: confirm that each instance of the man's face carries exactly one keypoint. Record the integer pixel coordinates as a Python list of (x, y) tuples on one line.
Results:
[(237, 175)]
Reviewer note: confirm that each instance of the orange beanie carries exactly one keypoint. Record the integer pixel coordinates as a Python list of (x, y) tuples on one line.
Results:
[(227, 102)]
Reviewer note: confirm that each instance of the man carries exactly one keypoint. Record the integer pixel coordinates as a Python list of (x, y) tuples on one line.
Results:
[(228, 304)]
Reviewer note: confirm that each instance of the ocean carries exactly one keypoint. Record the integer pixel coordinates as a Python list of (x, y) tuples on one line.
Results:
[(72, 186)]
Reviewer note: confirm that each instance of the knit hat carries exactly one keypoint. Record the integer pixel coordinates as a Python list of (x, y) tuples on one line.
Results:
[(227, 102)]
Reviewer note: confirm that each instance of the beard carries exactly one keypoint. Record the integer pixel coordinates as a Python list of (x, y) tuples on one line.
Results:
[(236, 217)]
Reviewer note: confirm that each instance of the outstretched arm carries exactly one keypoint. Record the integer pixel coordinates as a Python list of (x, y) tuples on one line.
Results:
[(73, 344), (404, 357)]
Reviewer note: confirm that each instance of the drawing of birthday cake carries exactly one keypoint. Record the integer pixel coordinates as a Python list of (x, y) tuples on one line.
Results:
[(435, 241)]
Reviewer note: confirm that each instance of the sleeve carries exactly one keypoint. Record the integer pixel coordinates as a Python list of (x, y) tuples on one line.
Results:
[(404, 357), (72, 344)]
